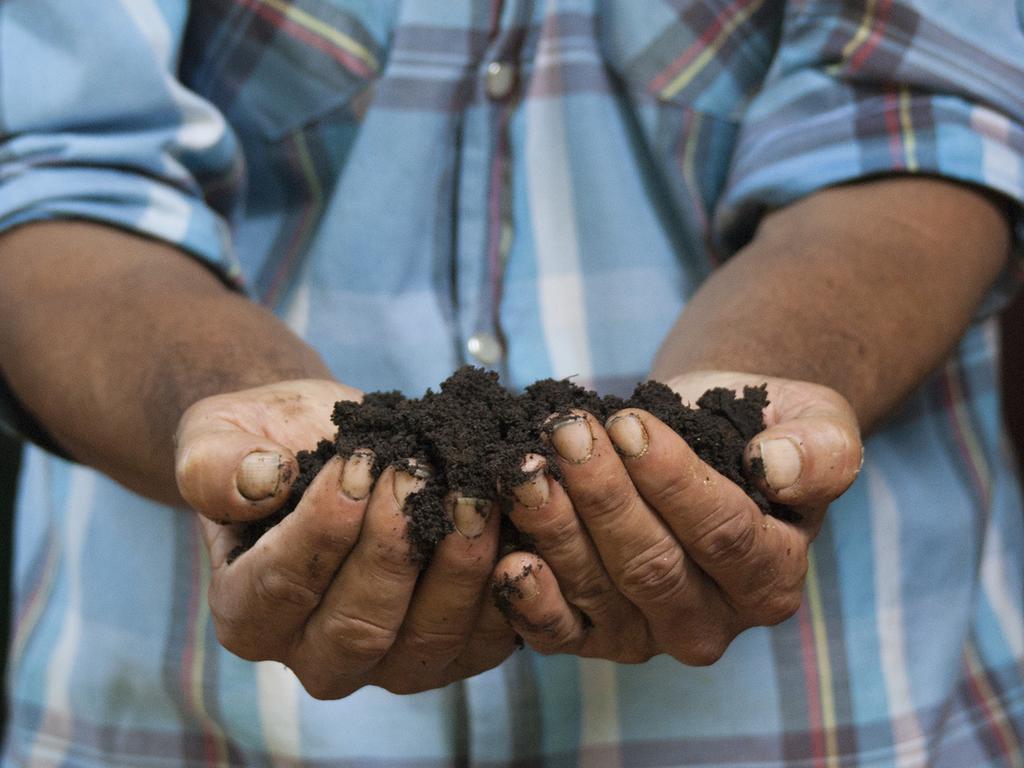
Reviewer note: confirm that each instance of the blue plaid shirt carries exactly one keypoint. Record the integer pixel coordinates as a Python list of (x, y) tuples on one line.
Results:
[(544, 182)]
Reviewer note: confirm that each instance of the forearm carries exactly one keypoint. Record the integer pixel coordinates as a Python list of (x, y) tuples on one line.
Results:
[(864, 288), (108, 338)]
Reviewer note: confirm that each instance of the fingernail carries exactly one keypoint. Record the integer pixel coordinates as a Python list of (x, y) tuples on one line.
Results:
[(628, 435), (527, 586), (782, 462), (533, 492), (409, 480), (470, 515), (357, 477), (260, 475), (572, 438)]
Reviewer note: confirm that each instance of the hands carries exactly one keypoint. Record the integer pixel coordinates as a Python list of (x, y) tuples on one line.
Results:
[(332, 591), (647, 550)]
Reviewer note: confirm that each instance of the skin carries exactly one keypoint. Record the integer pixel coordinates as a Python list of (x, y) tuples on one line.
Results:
[(654, 542), (657, 553), (332, 592)]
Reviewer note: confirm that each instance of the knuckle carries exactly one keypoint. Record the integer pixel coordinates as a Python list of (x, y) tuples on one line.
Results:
[(465, 575), (276, 586), (549, 633), (606, 499), (237, 631), (591, 594), (773, 607), (325, 688), (490, 641), (635, 656), (557, 535), (238, 642), (357, 641), (431, 646), (403, 686), (393, 560), (730, 539), (778, 607), (703, 653), (655, 574), (402, 681), (635, 647), (772, 595), (674, 490)]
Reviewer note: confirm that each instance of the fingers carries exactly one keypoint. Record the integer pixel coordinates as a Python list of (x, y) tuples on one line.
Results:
[(358, 619), (232, 476), (759, 562), (235, 452), (446, 603), (490, 643), (640, 552), (811, 449), (261, 600), (526, 591), (543, 511), (807, 461)]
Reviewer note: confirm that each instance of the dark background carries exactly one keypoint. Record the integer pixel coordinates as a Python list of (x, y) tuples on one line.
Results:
[(10, 458)]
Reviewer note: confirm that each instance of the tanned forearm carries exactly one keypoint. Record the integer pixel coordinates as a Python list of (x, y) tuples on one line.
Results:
[(108, 338), (864, 288)]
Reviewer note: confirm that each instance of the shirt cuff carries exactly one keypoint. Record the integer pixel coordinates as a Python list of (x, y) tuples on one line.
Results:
[(125, 200), (787, 154), (783, 157)]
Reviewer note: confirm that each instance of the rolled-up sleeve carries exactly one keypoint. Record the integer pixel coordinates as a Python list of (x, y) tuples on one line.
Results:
[(860, 89), (94, 125)]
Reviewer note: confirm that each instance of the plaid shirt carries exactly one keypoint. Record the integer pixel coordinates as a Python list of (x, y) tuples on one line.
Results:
[(546, 181)]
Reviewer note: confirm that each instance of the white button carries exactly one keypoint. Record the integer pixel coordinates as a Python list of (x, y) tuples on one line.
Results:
[(485, 348), (500, 79)]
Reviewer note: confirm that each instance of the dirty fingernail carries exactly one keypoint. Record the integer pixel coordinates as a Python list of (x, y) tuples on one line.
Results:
[(527, 586), (470, 515), (533, 492), (259, 475), (782, 462), (409, 480), (572, 438), (628, 435), (357, 477)]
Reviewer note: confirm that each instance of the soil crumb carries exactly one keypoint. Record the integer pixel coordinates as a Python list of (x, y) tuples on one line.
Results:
[(474, 434)]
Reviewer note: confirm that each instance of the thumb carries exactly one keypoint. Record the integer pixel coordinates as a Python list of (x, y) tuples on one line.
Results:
[(235, 452), (811, 451), (229, 475), (806, 461)]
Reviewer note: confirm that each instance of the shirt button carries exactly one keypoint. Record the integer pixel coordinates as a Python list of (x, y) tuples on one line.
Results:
[(485, 348), (500, 79)]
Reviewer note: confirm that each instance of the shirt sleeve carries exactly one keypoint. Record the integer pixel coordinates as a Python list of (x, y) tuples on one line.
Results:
[(859, 89), (94, 125)]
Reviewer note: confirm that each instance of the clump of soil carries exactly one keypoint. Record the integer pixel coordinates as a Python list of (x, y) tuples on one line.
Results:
[(474, 434)]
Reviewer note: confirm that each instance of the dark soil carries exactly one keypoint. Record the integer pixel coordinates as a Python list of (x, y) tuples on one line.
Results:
[(474, 435)]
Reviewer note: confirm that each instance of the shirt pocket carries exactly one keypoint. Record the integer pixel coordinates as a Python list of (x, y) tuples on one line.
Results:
[(710, 56), (275, 66)]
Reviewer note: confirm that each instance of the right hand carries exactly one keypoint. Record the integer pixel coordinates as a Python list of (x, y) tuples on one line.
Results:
[(332, 591)]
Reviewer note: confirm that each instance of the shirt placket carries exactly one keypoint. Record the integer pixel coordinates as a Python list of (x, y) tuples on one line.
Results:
[(484, 228), (501, 704)]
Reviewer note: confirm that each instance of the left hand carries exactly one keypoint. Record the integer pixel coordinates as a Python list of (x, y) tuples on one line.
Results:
[(647, 550)]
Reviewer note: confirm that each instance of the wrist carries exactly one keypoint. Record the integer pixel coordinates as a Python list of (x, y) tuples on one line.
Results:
[(136, 331), (864, 289)]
